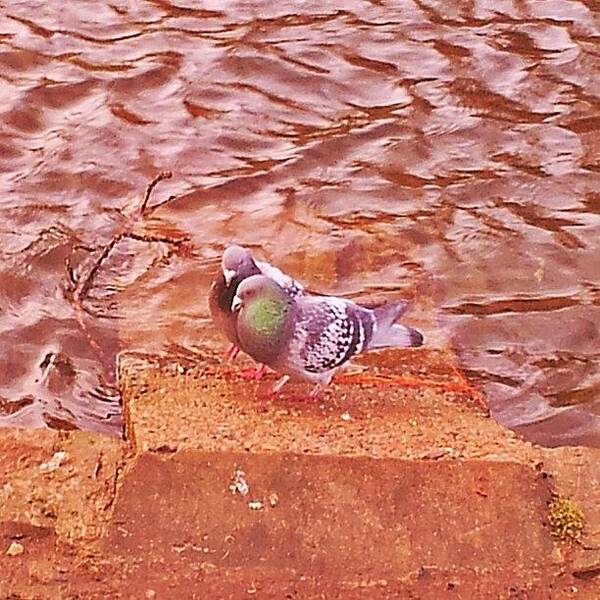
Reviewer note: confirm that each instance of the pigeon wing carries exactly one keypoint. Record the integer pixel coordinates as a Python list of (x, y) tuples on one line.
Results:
[(328, 332), (291, 286)]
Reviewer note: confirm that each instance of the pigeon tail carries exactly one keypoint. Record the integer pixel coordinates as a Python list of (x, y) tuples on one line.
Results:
[(388, 314), (397, 335), (387, 334)]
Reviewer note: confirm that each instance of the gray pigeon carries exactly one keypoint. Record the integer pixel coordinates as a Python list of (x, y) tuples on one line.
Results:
[(236, 265), (309, 337)]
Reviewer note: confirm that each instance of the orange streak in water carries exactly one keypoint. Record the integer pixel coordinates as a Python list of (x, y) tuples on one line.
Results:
[(380, 380)]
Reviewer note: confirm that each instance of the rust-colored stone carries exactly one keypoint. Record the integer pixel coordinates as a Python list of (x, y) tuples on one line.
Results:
[(576, 475), (374, 491), (340, 517), (211, 409), (387, 490), (63, 481)]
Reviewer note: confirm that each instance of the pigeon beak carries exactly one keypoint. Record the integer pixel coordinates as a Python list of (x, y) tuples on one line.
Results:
[(236, 304), (228, 274)]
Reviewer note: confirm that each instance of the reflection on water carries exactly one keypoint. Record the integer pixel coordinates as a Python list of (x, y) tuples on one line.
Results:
[(442, 151)]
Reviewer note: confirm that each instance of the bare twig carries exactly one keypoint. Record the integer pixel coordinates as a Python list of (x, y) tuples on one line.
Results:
[(81, 284), (157, 238), (159, 204), (144, 209), (85, 247), (71, 274), (84, 284)]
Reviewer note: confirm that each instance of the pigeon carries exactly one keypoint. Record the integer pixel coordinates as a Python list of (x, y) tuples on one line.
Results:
[(307, 336), (236, 265)]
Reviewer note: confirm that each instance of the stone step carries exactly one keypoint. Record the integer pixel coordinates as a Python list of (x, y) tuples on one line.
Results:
[(336, 517), (374, 482), (200, 405), (394, 484)]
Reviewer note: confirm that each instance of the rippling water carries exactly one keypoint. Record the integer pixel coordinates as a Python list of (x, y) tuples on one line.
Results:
[(443, 151)]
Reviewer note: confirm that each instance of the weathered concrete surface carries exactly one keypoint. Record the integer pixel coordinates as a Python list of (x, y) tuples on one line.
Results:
[(375, 491), (56, 497), (576, 474), (64, 481), (370, 483), (172, 407), (335, 516)]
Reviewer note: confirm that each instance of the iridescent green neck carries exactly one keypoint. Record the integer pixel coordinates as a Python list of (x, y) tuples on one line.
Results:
[(266, 316)]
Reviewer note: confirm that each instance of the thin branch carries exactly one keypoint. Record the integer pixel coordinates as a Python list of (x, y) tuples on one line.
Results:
[(71, 274), (156, 206), (144, 210), (84, 285), (156, 238), (81, 284)]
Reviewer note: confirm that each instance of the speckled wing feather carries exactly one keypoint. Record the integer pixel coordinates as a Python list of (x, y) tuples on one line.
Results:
[(290, 285), (328, 332)]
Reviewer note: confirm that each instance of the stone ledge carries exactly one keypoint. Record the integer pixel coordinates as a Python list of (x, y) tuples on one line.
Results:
[(373, 492), (195, 410), (169, 407), (338, 517)]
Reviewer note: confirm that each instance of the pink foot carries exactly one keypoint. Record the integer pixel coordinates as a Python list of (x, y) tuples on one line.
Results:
[(315, 392), (280, 384), (254, 374), (248, 374), (260, 372), (231, 352)]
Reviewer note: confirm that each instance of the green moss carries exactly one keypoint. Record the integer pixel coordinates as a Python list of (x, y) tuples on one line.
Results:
[(565, 518)]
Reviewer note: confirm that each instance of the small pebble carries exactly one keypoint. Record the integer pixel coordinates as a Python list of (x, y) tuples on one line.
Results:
[(15, 549), (56, 461), (255, 505), (345, 416), (239, 484)]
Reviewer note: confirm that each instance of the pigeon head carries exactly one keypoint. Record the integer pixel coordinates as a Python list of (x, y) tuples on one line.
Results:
[(262, 306), (237, 263)]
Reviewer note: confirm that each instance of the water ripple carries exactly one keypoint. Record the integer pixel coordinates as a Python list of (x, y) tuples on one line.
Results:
[(443, 152)]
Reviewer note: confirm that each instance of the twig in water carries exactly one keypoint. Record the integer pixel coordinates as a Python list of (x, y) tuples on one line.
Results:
[(159, 204), (144, 209), (80, 284), (156, 238), (72, 276), (84, 284)]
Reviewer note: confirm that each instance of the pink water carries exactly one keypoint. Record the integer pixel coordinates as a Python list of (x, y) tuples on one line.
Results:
[(447, 152)]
